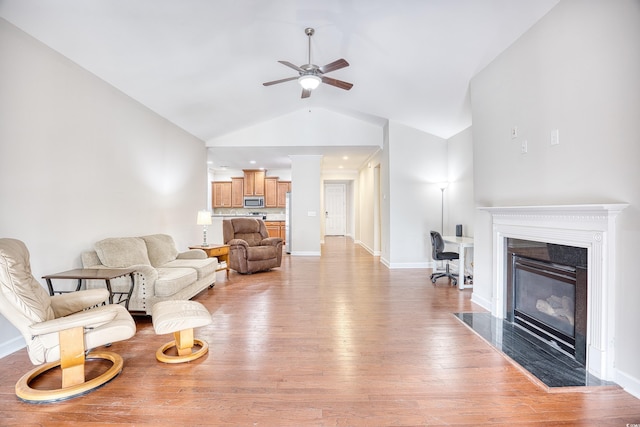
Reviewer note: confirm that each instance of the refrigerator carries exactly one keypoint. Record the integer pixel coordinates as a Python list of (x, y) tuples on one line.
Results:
[(287, 222)]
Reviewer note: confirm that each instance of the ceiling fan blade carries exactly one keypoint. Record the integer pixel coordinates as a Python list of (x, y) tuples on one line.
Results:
[(275, 82), (335, 65), (306, 93), (337, 83), (290, 65)]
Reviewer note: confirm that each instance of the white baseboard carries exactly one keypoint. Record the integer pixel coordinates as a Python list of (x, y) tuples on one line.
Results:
[(482, 302), (399, 265), (305, 253), (630, 384), (11, 346)]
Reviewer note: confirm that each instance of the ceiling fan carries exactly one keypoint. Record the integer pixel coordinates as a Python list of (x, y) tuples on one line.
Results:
[(310, 75)]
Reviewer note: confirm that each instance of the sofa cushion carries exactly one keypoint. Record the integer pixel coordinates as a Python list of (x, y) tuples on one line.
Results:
[(119, 252), (172, 280), (204, 267), (161, 249), (259, 253)]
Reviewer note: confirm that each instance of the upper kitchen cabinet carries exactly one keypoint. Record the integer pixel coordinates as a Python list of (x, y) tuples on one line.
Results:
[(283, 188), (254, 182), (271, 192), (221, 194), (237, 192)]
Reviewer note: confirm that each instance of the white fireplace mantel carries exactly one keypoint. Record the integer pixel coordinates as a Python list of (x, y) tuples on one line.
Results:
[(590, 226)]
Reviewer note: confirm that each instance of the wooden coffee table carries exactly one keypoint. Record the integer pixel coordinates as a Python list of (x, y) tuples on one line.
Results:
[(219, 251)]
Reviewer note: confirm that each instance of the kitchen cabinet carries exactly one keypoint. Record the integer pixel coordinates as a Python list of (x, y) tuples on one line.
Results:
[(275, 229), (254, 182), (221, 194), (271, 192), (237, 192), (283, 188)]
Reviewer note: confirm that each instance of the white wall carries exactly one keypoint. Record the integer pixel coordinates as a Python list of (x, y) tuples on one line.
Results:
[(318, 127), (305, 205), (80, 161), (577, 71), (417, 162), (459, 203)]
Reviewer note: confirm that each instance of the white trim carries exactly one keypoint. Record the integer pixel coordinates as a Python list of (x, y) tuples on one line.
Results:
[(631, 385), (587, 226), (412, 265), (305, 253), (11, 346)]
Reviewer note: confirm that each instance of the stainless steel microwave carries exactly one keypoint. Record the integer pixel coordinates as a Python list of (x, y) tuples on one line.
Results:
[(254, 202)]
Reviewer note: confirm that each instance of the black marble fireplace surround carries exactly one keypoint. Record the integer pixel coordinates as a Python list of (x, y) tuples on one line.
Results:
[(546, 340), (550, 366)]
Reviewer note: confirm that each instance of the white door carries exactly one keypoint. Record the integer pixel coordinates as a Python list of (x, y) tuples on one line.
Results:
[(335, 201)]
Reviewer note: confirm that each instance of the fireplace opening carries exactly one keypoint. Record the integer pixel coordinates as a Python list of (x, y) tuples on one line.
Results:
[(546, 288)]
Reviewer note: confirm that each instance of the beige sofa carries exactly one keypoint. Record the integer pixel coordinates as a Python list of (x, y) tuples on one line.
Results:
[(162, 273)]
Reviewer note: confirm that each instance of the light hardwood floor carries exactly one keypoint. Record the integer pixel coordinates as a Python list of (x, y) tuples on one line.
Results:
[(338, 340)]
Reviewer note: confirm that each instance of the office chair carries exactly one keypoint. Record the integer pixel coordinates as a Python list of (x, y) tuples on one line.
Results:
[(438, 254)]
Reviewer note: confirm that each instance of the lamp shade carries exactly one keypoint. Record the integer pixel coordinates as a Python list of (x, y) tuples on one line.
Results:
[(204, 218), (309, 81)]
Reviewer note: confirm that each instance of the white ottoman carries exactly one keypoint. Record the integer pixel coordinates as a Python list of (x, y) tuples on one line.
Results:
[(179, 318)]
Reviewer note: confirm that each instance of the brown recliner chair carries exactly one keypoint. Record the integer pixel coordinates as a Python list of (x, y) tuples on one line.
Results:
[(250, 247)]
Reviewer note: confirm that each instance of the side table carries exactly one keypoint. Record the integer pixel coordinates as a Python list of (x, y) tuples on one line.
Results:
[(219, 251), (106, 274)]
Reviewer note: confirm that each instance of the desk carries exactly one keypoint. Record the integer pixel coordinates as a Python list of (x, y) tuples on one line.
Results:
[(463, 243), (219, 251), (106, 274)]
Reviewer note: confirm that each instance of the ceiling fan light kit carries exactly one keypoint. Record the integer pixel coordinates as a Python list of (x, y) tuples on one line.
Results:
[(309, 81), (310, 75)]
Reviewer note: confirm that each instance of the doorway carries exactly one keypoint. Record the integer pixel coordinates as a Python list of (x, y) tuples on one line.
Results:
[(335, 203)]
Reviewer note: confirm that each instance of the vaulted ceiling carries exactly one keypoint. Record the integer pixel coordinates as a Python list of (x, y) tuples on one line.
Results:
[(201, 63)]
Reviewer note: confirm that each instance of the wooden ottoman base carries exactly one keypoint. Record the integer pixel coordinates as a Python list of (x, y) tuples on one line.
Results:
[(179, 318)]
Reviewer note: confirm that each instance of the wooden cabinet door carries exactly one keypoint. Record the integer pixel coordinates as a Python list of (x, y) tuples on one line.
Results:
[(237, 192), (249, 183), (273, 228), (258, 183), (283, 232), (270, 192), (221, 194), (254, 182), (283, 188)]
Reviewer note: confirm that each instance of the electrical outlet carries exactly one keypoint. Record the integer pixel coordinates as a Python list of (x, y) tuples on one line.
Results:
[(524, 146)]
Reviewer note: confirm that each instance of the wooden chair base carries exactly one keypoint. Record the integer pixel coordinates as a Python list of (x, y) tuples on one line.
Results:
[(184, 354), (31, 395)]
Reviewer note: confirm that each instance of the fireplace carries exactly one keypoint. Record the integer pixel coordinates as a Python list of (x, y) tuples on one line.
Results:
[(547, 293), (589, 227)]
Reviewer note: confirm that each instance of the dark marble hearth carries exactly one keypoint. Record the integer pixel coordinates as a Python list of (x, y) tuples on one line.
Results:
[(549, 365)]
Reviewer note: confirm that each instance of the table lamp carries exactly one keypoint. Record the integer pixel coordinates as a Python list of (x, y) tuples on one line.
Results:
[(204, 219)]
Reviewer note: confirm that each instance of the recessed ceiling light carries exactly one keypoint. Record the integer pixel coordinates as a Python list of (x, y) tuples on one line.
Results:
[(345, 158), (253, 162)]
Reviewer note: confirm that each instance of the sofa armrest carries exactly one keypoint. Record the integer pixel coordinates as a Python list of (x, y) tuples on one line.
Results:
[(73, 302), (238, 242), (84, 319), (192, 254), (270, 241)]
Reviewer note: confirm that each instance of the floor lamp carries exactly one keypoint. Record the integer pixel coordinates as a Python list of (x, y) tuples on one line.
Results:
[(443, 186)]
